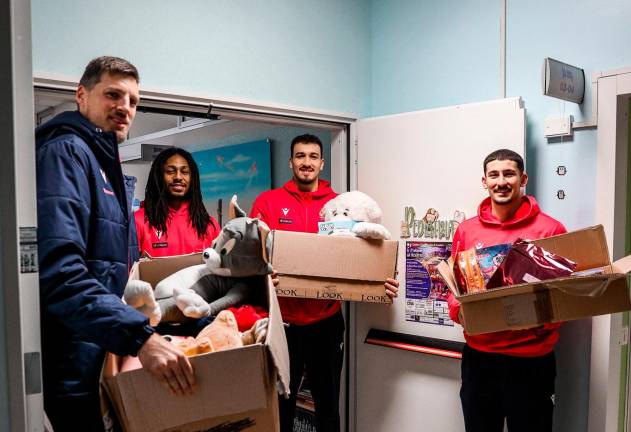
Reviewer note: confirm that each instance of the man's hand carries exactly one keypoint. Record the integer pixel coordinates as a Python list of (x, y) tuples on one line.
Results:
[(392, 288), (275, 279), (168, 364)]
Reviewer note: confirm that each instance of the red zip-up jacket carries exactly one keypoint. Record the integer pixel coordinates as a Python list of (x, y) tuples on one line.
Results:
[(289, 209), (180, 238), (529, 222)]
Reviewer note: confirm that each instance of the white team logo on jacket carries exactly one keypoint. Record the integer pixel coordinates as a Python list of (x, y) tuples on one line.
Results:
[(158, 234), (285, 211)]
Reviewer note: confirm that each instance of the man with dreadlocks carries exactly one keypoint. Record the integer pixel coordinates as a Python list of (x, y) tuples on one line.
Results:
[(172, 219)]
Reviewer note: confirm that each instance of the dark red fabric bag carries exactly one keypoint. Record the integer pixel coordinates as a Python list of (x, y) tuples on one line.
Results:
[(526, 263)]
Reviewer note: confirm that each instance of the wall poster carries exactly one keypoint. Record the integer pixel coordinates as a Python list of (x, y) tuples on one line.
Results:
[(241, 169), (425, 292)]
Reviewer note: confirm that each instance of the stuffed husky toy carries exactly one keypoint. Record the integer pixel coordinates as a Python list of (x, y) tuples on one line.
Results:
[(236, 262), (354, 214)]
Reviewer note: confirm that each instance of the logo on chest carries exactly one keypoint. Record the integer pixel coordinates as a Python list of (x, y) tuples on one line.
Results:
[(284, 220), (159, 244)]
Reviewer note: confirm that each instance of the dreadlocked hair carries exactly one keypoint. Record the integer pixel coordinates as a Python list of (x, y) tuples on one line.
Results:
[(157, 197)]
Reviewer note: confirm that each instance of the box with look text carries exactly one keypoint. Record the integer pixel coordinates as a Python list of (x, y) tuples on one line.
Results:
[(598, 287), (332, 267), (236, 389)]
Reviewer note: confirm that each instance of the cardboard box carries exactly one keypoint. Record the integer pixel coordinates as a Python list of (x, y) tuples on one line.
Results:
[(555, 300), (333, 268), (236, 389)]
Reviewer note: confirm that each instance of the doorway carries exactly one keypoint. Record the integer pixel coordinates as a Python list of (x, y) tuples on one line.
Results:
[(202, 125)]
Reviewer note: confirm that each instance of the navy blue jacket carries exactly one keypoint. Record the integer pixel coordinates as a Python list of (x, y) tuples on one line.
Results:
[(83, 236)]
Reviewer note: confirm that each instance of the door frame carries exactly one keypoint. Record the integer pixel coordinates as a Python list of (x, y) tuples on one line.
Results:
[(22, 407), (240, 109), (608, 405)]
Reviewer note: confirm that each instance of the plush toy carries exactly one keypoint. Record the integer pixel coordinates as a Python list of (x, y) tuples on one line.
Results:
[(221, 334), (233, 271), (356, 207), (139, 295), (247, 315)]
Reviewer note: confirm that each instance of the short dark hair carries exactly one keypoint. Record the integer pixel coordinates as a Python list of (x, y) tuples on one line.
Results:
[(156, 195), (504, 154), (112, 65), (306, 139)]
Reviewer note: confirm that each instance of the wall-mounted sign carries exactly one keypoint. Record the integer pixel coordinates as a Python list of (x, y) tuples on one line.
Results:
[(430, 226), (562, 81)]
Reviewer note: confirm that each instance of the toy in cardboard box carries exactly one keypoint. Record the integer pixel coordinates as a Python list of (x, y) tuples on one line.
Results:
[(507, 264), (340, 267), (597, 286), (527, 262), (234, 385), (474, 267), (222, 334), (232, 267), (353, 214), (238, 373)]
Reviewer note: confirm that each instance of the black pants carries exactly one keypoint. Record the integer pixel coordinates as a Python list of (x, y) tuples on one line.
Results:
[(496, 386), (74, 414), (318, 350)]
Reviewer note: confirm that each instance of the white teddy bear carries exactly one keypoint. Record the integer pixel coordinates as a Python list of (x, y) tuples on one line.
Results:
[(359, 208)]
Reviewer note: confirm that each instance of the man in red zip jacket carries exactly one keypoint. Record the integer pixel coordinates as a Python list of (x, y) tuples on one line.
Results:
[(315, 332), (508, 374)]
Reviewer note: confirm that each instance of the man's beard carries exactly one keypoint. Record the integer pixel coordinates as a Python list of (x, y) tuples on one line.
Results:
[(503, 200), (306, 181)]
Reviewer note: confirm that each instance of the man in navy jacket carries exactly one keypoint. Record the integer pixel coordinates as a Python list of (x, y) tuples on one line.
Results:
[(83, 237)]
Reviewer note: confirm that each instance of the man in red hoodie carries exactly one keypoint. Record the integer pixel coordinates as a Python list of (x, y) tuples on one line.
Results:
[(172, 220), (315, 332), (508, 374)]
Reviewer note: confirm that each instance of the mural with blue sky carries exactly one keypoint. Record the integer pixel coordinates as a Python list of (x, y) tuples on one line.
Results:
[(241, 169)]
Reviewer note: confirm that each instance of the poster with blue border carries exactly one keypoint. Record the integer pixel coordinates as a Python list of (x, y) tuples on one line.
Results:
[(242, 169), (425, 292)]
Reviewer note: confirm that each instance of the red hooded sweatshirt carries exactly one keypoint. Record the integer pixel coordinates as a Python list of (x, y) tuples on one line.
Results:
[(290, 209), (180, 238), (528, 222)]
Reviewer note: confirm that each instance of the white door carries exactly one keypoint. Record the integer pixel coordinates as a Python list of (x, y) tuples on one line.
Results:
[(420, 160)]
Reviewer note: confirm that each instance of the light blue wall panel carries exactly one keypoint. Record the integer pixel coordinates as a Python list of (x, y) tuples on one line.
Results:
[(429, 54), (303, 53), (590, 34), (593, 35)]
